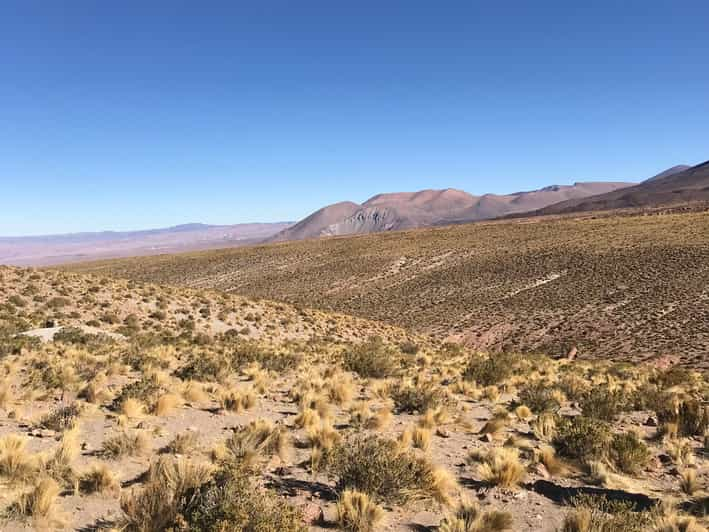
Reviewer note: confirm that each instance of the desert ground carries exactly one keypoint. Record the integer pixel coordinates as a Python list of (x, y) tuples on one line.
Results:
[(126, 405)]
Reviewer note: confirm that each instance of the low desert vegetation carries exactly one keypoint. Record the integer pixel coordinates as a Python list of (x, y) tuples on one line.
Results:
[(611, 279), (197, 410)]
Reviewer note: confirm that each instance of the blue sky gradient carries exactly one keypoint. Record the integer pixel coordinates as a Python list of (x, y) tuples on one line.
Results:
[(127, 115)]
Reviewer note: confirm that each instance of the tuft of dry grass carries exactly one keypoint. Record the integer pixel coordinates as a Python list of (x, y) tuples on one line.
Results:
[(6, 395), (193, 392), (547, 456), (471, 518), (688, 482), (357, 512), (681, 452), (39, 504), (501, 467), (237, 401), (422, 438), (99, 479), (158, 505), (523, 413), (544, 427), (260, 439), (16, 463), (132, 408), (341, 391), (380, 419), (307, 418), (126, 444), (494, 426), (166, 403)]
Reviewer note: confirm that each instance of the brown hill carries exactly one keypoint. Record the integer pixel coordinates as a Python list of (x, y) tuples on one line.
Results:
[(679, 184), (317, 222), (426, 208)]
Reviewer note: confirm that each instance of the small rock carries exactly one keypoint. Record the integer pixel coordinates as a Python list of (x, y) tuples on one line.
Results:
[(651, 422), (443, 433), (487, 437), (312, 514), (541, 470)]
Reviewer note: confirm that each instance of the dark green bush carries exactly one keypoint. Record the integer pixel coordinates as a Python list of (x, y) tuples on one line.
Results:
[(417, 398), (628, 453), (690, 415), (146, 390), (539, 397), (62, 418), (487, 371), (603, 404), (232, 503), (376, 466), (206, 367), (582, 437), (371, 359)]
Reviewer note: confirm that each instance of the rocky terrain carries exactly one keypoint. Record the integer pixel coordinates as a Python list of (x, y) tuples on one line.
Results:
[(137, 407)]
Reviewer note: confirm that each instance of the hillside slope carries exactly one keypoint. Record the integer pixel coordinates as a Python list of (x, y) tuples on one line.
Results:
[(632, 286), (163, 408), (678, 185)]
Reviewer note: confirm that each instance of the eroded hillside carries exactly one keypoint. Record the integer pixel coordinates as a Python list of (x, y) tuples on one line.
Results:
[(630, 287)]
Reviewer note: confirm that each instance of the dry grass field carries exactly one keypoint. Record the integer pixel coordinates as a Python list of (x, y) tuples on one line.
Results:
[(622, 287), (136, 407)]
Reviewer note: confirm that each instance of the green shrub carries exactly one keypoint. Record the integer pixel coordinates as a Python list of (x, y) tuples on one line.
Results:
[(416, 398), (599, 514), (232, 503), (17, 301), (628, 453), (690, 415), (14, 345), (246, 352), (62, 418), (57, 303), (75, 336), (376, 466), (146, 390), (206, 367), (371, 359), (490, 370), (603, 404), (582, 437), (539, 397)]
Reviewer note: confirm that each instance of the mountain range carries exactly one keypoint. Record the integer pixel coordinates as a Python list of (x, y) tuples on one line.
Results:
[(383, 212), (57, 249), (677, 185), (409, 210)]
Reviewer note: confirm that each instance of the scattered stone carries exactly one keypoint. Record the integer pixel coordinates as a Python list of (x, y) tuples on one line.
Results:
[(541, 470), (312, 514), (443, 433)]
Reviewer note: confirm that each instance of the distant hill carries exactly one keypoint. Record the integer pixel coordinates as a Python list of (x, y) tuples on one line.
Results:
[(622, 287), (679, 184), (55, 249), (426, 208)]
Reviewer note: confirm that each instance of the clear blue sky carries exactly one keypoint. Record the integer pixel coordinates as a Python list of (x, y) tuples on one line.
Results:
[(137, 114)]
